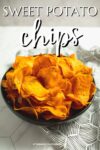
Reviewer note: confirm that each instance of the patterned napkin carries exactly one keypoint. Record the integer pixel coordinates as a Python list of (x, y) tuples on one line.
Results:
[(84, 133)]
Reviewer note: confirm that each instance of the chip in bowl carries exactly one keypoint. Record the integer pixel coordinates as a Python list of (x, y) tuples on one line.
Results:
[(49, 87)]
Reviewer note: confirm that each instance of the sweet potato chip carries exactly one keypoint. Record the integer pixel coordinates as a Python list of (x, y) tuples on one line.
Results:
[(49, 76), (18, 79), (32, 87), (9, 77), (65, 85), (28, 110), (24, 61), (80, 88), (58, 99), (58, 111), (77, 65), (14, 79), (49, 87), (43, 61), (66, 69)]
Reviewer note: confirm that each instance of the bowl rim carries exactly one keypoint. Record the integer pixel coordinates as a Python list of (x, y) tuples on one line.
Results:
[(42, 122)]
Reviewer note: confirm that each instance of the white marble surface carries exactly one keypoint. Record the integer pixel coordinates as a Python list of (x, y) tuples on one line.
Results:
[(15, 134)]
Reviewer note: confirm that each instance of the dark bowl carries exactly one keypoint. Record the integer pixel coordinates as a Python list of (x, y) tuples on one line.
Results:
[(74, 113)]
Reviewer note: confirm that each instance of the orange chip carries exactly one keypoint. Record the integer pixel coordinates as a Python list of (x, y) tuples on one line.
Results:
[(49, 76), (65, 85), (58, 99), (24, 61), (66, 69), (60, 112), (28, 110), (9, 77), (32, 87), (18, 79), (77, 65), (14, 79), (81, 90), (43, 61)]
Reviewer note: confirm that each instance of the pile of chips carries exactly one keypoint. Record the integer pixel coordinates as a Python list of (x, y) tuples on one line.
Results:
[(48, 86)]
